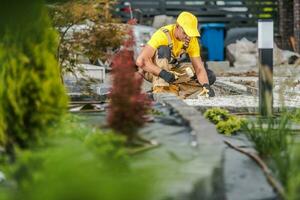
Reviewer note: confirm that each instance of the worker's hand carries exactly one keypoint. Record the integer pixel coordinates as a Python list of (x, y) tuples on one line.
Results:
[(207, 91), (167, 76)]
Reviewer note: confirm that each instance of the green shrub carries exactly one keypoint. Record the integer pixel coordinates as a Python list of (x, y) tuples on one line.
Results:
[(72, 126), (93, 42), (104, 144), (71, 171), (215, 115), (225, 123), (107, 145), (294, 115), (230, 126), (77, 162), (32, 96), (128, 104), (2, 127)]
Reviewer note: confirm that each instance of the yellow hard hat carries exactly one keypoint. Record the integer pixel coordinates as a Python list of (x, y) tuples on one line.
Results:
[(189, 23)]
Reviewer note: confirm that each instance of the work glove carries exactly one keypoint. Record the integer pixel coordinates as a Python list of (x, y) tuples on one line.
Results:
[(207, 91), (167, 76)]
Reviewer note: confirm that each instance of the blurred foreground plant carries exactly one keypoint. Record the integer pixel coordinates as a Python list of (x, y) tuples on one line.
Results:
[(128, 105), (293, 185), (31, 94), (72, 172), (78, 162)]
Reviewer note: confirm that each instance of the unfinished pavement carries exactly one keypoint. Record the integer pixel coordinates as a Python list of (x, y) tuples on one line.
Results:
[(217, 172), (199, 164), (241, 177), (236, 96), (209, 169), (239, 93)]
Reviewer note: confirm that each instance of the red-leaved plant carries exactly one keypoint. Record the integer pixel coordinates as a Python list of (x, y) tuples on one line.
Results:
[(128, 105)]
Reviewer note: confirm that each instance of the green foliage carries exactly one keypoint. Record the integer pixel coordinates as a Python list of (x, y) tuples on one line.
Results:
[(272, 140), (96, 38), (3, 139), (280, 165), (106, 145), (128, 105), (78, 162), (72, 126), (225, 123), (72, 172), (215, 115), (96, 42), (31, 94), (155, 112), (231, 125), (294, 115), (269, 135), (293, 185)]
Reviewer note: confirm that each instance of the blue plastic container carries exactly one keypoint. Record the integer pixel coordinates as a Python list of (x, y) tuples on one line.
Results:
[(212, 37)]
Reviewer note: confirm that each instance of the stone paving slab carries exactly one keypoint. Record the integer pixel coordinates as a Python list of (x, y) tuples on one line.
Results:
[(239, 177), (208, 170), (207, 145), (281, 84), (200, 126), (239, 94), (196, 156), (242, 103), (243, 179), (282, 70)]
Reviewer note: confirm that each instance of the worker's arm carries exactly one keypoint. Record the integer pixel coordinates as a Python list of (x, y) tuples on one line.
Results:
[(202, 76), (145, 62), (200, 70)]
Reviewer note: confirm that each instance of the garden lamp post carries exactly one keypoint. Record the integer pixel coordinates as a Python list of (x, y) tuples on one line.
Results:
[(265, 54)]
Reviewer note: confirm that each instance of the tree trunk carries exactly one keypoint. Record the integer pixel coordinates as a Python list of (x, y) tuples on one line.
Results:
[(297, 24), (286, 22)]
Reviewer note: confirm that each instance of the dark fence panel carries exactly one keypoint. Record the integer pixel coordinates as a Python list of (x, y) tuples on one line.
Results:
[(234, 13)]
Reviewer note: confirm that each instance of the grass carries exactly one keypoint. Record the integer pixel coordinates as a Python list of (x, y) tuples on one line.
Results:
[(76, 162), (293, 183), (273, 141), (270, 135)]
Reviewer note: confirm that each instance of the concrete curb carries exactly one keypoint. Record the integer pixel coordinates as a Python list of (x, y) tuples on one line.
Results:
[(209, 144), (204, 130)]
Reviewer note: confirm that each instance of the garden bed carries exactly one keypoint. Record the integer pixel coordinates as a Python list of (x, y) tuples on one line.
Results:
[(184, 168), (272, 142)]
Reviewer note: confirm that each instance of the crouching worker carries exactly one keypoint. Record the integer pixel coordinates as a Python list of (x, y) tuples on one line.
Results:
[(159, 61)]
